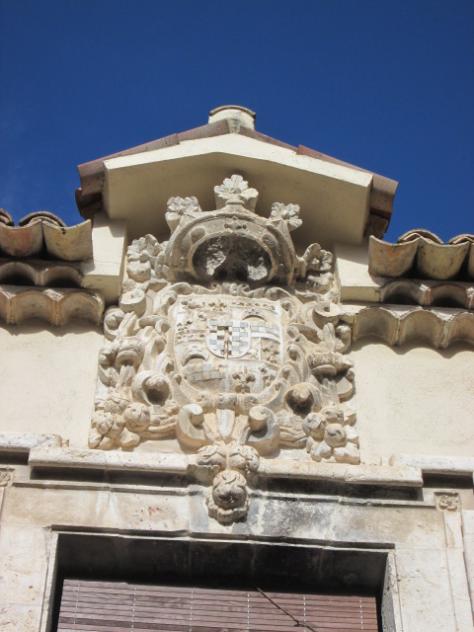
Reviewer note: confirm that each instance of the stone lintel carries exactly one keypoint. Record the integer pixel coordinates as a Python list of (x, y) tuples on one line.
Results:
[(74, 458), (22, 443), (438, 465), (383, 475), (172, 463)]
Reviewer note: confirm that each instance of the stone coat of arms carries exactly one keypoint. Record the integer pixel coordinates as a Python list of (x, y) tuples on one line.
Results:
[(227, 345)]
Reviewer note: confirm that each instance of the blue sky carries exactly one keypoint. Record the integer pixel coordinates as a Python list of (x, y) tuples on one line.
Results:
[(387, 85)]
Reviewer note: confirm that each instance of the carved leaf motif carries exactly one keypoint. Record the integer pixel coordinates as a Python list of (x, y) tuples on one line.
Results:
[(229, 346), (235, 190), (289, 213), (178, 207)]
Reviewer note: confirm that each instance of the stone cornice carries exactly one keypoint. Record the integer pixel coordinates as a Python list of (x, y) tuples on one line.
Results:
[(56, 306), (401, 325), (51, 458)]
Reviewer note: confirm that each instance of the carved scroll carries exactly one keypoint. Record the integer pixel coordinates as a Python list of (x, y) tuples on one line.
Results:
[(227, 343)]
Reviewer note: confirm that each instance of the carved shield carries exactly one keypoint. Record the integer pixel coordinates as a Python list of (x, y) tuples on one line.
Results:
[(227, 344)]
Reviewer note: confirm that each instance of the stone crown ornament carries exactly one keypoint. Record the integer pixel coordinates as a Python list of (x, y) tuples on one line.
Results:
[(227, 346), (232, 242)]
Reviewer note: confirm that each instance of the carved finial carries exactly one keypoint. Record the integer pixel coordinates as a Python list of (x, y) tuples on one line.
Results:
[(289, 213), (179, 206), (236, 190)]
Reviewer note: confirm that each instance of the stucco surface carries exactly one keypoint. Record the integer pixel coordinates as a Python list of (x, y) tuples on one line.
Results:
[(413, 400), (47, 385)]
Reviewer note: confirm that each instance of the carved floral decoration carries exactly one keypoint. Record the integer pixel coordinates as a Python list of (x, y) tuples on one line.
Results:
[(229, 344)]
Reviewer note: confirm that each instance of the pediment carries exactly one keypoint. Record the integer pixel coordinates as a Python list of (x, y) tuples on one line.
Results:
[(339, 202)]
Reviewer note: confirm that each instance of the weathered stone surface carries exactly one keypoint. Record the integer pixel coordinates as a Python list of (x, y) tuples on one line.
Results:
[(227, 415), (216, 343), (23, 442), (433, 464), (402, 475), (49, 458), (56, 457)]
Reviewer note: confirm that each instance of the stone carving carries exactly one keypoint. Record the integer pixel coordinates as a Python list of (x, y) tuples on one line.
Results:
[(447, 502), (5, 477), (235, 190), (219, 345)]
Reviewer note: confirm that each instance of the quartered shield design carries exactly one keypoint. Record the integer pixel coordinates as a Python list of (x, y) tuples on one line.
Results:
[(228, 344)]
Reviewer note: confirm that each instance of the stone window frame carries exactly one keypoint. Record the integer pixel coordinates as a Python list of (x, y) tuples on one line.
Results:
[(388, 603)]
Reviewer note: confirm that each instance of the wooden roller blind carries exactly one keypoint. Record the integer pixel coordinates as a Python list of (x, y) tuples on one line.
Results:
[(123, 607)]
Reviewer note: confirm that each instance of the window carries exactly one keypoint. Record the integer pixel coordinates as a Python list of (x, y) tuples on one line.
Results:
[(129, 607), (124, 583)]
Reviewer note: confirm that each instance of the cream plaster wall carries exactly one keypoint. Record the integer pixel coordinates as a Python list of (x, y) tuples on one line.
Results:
[(48, 379), (413, 400)]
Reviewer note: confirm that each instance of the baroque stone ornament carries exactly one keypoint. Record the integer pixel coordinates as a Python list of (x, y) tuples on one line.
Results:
[(227, 345), (6, 477), (447, 502)]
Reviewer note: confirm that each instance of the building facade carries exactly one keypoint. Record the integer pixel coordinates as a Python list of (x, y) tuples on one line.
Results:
[(229, 404)]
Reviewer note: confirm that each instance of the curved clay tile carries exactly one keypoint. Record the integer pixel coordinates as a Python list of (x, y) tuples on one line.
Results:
[(416, 292), (440, 261), (391, 260), (42, 232), (376, 322), (466, 238), (406, 291), (415, 233), (421, 253), (420, 325), (13, 271), (462, 329), (72, 243), (38, 216), (449, 294), (57, 307), (59, 276), (81, 306), (32, 304), (460, 239), (21, 241), (27, 273), (5, 217), (396, 328)]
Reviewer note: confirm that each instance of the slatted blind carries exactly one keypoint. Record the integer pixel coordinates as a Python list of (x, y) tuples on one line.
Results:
[(123, 607)]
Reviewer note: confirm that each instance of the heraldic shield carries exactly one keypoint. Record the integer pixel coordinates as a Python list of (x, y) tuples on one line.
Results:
[(227, 347), (228, 344)]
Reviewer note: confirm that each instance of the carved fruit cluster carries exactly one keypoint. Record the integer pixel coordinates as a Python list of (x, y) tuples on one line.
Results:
[(227, 343)]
